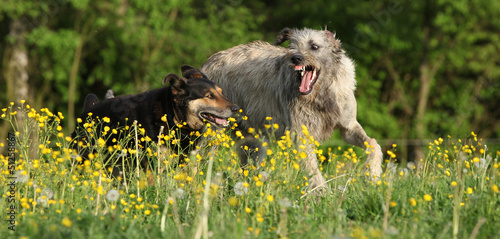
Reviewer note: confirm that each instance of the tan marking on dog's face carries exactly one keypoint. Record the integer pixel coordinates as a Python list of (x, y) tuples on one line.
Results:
[(213, 103)]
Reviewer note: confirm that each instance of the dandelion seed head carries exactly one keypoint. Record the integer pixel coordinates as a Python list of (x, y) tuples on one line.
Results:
[(179, 193), (47, 192), (21, 176), (263, 176), (285, 202), (240, 189), (112, 195), (42, 202)]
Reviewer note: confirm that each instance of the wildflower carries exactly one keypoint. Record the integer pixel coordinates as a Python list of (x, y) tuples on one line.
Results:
[(233, 201), (123, 153), (413, 202), (47, 192), (270, 198), (285, 202), (112, 195), (240, 189), (66, 222), (263, 176), (342, 188), (393, 204), (21, 176), (248, 210), (42, 202), (259, 217), (482, 163), (303, 155), (427, 197), (147, 212), (392, 167), (454, 183), (411, 165), (469, 190), (269, 152), (179, 193), (495, 188)]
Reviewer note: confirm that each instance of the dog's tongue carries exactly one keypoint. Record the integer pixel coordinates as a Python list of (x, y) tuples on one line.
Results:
[(306, 83), (221, 121)]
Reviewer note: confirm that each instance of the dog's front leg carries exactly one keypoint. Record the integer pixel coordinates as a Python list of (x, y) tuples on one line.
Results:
[(354, 134), (316, 182)]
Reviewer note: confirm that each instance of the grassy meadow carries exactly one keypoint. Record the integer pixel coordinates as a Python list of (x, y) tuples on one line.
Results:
[(49, 191)]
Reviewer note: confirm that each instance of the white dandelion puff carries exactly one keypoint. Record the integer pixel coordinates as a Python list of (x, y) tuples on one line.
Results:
[(285, 202), (392, 167), (179, 193), (42, 202), (47, 192), (21, 176), (112, 195), (342, 188), (123, 153), (411, 165), (240, 189), (264, 176)]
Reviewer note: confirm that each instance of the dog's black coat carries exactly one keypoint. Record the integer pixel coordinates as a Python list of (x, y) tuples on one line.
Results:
[(148, 108)]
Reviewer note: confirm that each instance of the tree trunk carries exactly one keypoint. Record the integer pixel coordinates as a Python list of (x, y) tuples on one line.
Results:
[(72, 84), (16, 76), (16, 73)]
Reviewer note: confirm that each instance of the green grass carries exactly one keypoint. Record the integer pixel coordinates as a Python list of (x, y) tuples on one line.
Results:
[(446, 195)]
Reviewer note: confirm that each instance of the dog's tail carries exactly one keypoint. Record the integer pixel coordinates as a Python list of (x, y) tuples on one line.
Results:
[(251, 148), (90, 101)]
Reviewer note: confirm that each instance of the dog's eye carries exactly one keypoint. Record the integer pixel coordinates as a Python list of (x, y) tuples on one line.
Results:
[(210, 96), (314, 47)]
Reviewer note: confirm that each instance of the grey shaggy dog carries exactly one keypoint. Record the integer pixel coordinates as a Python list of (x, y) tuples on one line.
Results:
[(311, 82)]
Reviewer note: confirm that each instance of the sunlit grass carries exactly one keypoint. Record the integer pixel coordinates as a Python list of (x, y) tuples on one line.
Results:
[(452, 192)]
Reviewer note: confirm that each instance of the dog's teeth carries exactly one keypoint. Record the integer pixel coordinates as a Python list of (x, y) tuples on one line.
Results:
[(302, 72), (314, 74)]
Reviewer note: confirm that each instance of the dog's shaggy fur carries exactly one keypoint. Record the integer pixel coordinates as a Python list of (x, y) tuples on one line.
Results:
[(310, 83)]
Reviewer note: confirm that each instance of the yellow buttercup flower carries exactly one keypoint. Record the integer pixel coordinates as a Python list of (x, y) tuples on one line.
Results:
[(66, 222), (427, 197), (413, 202), (270, 198)]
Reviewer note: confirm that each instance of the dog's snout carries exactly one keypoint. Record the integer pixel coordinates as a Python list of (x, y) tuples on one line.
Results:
[(234, 108), (297, 59)]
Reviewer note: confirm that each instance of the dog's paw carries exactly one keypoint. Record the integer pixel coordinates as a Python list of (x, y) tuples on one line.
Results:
[(373, 163)]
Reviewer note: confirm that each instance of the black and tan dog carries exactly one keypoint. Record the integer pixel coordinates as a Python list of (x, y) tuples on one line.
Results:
[(188, 102)]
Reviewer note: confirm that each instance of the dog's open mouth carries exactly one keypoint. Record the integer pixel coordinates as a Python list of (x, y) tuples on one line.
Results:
[(215, 119), (308, 75)]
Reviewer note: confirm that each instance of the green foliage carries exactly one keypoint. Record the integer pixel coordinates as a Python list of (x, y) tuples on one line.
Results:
[(402, 49)]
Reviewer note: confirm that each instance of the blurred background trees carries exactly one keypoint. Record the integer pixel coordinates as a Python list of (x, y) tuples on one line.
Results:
[(425, 69)]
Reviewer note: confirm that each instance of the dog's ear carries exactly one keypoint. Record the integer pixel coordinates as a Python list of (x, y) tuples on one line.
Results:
[(177, 83), (190, 72), (336, 42), (330, 35), (284, 36)]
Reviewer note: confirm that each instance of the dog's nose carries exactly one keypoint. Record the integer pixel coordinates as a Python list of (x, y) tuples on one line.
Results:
[(297, 59), (234, 108)]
